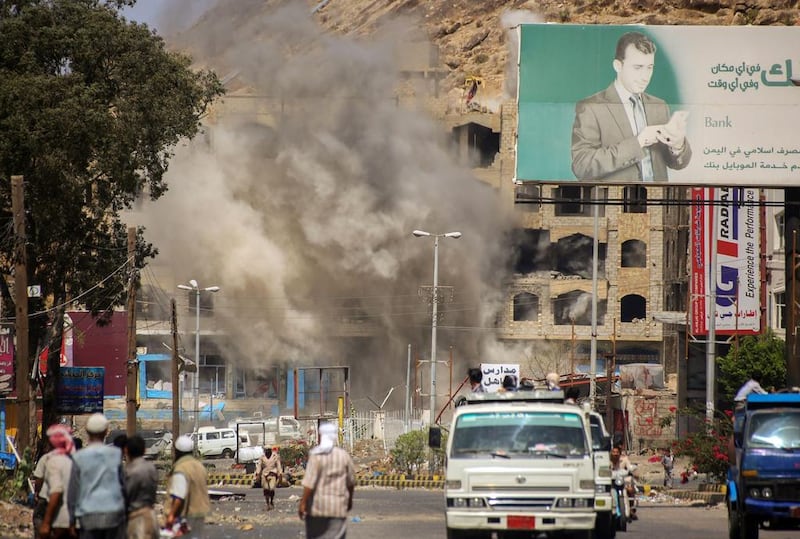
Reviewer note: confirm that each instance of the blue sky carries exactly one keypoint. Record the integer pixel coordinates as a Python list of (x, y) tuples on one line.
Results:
[(167, 15)]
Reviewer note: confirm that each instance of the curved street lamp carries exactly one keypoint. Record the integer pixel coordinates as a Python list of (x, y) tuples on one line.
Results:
[(434, 307)]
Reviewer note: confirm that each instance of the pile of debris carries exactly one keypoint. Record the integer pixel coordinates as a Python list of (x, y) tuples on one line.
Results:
[(16, 520)]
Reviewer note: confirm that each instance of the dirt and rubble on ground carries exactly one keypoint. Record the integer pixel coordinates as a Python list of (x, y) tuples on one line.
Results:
[(16, 520)]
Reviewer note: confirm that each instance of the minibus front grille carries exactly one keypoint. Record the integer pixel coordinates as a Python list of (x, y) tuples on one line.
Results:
[(515, 504)]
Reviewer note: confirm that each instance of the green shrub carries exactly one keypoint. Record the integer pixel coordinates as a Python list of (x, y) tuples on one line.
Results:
[(14, 484), (295, 454), (411, 451)]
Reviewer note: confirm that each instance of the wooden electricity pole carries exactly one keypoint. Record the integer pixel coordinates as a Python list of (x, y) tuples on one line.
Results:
[(23, 374), (176, 386), (791, 225), (133, 362)]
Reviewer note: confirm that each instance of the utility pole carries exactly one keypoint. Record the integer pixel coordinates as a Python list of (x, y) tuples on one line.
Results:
[(133, 362), (176, 389), (23, 374), (711, 344), (595, 260), (791, 224), (611, 360)]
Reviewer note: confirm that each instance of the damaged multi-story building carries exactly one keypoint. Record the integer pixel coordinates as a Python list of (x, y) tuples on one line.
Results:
[(641, 277)]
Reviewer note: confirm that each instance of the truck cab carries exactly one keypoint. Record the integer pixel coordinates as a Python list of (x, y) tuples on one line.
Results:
[(764, 480), (519, 463), (606, 525)]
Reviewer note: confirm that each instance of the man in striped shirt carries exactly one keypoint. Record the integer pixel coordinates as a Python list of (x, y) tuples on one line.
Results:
[(327, 488)]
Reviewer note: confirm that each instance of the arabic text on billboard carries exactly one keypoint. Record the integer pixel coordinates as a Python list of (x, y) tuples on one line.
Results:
[(80, 390), (691, 105)]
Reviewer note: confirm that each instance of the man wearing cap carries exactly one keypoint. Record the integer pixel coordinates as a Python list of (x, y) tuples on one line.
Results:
[(97, 485), (269, 470), (327, 487), (188, 490)]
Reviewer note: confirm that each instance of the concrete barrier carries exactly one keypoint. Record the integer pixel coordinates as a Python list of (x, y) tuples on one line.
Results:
[(397, 481)]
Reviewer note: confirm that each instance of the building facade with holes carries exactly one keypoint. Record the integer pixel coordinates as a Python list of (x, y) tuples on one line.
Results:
[(546, 307), (643, 237), (642, 284)]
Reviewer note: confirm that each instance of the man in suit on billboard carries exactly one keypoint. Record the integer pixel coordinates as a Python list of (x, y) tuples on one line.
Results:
[(623, 134)]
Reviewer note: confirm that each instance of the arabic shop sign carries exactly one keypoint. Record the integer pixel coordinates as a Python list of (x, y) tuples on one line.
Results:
[(80, 390), (6, 362), (737, 85), (493, 374)]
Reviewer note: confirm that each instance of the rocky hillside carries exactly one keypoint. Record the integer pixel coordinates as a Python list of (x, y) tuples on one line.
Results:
[(471, 34)]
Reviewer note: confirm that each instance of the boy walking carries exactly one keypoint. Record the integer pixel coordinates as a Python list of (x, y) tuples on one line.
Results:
[(668, 462)]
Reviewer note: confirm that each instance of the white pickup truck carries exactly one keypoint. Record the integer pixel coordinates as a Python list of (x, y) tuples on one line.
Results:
[(268, 430), (519, 463)]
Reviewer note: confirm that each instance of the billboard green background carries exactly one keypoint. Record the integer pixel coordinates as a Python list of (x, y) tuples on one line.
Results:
[(558, 66)]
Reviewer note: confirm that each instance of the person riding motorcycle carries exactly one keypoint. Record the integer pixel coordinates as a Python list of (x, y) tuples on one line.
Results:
[(620, 464)]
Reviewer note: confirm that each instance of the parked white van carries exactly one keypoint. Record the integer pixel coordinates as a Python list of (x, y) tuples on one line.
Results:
[(214, 442)]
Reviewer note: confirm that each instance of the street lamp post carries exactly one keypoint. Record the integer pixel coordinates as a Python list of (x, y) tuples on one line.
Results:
[(434, 308), (193, 286)]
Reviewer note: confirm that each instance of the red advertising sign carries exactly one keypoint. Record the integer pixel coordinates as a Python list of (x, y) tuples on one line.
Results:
[(698, 243), (6, 362)]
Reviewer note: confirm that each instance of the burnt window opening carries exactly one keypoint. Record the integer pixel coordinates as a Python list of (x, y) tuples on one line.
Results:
[(675, 299), (634, 199), (632, 307), (531, 250), (577, 200), (526, 307), (573, 256), (528, 197), (206, 302), (352, 312), (575, 307), (152, 303), (476, 144), (634, 254)]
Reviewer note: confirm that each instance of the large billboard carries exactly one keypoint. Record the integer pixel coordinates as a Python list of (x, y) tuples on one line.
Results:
[(736, 287), (689, 105)]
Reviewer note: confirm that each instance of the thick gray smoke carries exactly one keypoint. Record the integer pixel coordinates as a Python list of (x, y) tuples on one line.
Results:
[(301, 207), (511, 20)]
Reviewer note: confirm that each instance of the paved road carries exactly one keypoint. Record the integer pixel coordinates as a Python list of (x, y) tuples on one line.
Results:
[(387, 513)]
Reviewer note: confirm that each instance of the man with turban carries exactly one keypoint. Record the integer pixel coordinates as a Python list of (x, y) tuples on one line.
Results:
[(327, 487), (55, 483)]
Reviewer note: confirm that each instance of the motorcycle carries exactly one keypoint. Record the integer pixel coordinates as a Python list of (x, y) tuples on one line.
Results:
[(624, 503)]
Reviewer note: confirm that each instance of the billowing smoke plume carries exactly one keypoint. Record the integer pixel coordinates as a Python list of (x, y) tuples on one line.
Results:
[(301, 207), (511, 20)]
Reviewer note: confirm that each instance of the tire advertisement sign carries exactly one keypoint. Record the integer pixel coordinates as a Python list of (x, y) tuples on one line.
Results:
[(736, 286), (689, 105)]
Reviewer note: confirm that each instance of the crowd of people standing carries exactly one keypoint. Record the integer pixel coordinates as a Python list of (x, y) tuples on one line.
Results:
[(108, 491), (105, 491)]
